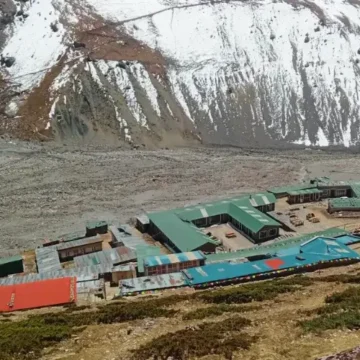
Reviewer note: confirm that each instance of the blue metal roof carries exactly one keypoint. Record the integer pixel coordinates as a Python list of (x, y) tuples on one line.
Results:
[(348, 239), (290, 251), (322, 245), (173, 258), (313, 251)]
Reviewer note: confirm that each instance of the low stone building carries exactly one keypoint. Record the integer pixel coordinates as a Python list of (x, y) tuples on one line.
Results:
[(67, 251), (166, 264), (119, 273)]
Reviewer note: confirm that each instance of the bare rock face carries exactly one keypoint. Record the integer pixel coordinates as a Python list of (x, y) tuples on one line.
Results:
[(7, 15)]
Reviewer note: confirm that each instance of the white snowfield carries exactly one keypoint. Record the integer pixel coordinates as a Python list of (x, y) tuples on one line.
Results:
[(269, 64)]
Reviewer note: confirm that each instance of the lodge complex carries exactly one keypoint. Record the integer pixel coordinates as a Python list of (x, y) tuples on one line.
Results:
[(275, 232)]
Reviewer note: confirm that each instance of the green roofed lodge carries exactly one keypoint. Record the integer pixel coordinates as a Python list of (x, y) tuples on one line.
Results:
[(181, 230)]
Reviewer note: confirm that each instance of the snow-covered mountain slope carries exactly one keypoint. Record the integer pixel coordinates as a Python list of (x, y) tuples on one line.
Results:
[(230, 72)]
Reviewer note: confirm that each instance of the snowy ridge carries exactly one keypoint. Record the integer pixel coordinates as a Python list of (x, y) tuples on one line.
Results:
[(310, 87), (241, 72)]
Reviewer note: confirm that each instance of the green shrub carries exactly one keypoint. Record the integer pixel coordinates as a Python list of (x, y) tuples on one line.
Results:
[(205, 339), (26, 338), (266, 290), (77, 308), (216, 310), (341, 278), (349, 320), (341, 310)]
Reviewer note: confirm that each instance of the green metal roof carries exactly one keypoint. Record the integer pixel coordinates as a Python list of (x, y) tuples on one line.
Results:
[(202, 211), (321, 179), (142, 251), (251, 218), (93, 224), (274, 247), (191, 213), (177, 224), (184, 235), (345, 203), (261, 199), (287, 189), (356, 189), (72, 236), (305, 192), (10, 259)]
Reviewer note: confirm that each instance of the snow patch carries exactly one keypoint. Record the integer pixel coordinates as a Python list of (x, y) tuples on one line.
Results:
[(322, 139), (63, 78), (175, 83), (123, 123), (142, 76), (169, 109), (33, 44), (53, 108)]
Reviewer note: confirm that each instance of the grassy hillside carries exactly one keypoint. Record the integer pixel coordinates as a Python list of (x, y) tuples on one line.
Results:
[(298, 317)]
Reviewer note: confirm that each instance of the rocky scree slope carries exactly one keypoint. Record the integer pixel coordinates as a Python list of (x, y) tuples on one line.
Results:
[(174, 72)]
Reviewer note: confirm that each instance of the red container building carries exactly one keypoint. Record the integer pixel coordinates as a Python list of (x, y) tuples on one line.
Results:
[(38, 294)]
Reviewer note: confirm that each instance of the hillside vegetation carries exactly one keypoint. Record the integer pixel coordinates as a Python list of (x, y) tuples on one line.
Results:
[(235, 322)]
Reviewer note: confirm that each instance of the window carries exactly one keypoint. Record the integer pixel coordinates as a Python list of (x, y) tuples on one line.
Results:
[(340, 192), (262, 234), (272, 232), (172, 267)]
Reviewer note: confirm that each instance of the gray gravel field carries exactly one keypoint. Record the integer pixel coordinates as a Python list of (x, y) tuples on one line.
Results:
[(47, 191)]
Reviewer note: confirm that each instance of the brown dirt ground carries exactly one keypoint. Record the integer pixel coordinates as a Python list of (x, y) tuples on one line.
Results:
[(319, 209), (110, 43)]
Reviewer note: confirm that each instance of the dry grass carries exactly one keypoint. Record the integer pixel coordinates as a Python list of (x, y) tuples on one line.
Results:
[(284, 319), (274, 324)]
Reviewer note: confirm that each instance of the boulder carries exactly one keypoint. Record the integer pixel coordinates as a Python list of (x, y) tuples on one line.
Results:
[(7, 61), (78, 45), (11, 109), (54, 27), (121, 65)]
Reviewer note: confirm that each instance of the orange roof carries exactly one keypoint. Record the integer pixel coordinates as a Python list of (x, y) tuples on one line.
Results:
[(37, 294)]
